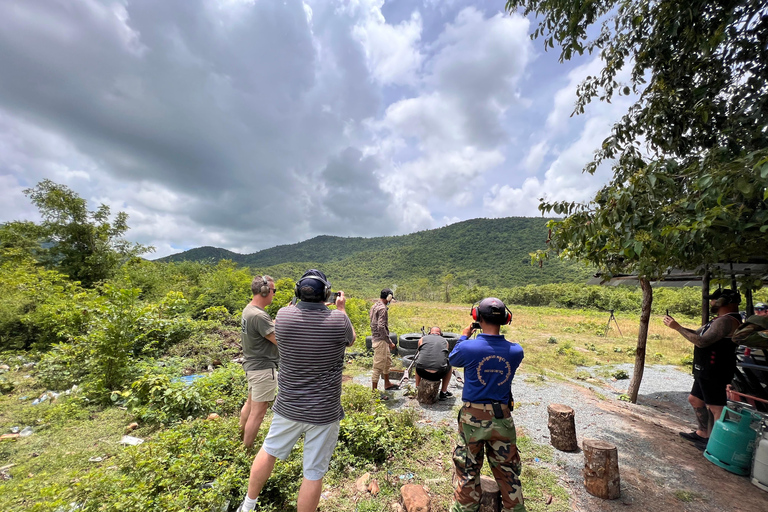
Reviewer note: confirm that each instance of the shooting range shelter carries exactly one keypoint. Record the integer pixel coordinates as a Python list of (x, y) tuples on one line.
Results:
[(756, 269)]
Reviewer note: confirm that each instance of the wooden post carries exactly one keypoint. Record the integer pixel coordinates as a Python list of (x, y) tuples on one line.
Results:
[(428, 390), (562, 427), (704, 299), (490, 498), (601, 469)]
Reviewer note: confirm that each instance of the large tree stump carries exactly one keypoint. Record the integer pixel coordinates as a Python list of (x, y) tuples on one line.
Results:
[(601, 469), (428, 390), (490, 499), (562, 427)]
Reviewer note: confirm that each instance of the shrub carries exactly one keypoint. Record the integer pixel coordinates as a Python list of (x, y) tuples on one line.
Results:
[(620, 375), (156, 397), (370, 432)]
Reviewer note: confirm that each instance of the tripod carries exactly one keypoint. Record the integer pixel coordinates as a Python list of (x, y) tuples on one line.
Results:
[(608, 326)]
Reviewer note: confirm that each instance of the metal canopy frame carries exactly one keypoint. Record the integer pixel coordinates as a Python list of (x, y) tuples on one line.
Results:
[(702, 276)]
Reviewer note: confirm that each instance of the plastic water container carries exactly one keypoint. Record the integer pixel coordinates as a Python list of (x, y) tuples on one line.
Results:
[(732, 441), (760, 463)]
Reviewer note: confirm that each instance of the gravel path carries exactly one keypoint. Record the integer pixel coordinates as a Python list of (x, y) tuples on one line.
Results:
[(656, 465)]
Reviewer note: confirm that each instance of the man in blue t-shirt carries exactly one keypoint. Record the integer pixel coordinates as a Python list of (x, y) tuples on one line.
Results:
[(485, 420)]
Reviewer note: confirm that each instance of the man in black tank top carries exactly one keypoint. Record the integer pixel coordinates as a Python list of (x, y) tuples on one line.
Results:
[(432, 361), (714, 361)]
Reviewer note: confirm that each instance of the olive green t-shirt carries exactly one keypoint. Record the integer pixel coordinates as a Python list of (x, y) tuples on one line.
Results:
[(259, 352)]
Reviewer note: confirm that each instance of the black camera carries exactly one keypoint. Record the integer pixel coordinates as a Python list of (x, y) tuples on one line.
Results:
[(335, 296)]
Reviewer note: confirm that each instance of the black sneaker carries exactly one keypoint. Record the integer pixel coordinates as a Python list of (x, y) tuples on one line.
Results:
[(693, 437), (445, 395), (701, 445)]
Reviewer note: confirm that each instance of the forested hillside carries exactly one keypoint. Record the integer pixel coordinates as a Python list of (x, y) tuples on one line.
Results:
[(485, 252)]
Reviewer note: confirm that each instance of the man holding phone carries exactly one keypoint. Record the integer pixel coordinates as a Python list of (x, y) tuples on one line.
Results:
[(714, 361), (485, 420)]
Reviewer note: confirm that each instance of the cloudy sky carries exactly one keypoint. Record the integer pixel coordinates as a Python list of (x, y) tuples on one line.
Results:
[(246, 124)]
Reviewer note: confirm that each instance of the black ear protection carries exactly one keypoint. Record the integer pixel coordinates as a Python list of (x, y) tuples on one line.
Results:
[(326, 287), (476, 314), (727, 297), (264, 288)]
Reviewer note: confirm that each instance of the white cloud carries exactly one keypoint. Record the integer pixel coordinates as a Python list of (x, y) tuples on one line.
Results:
[(392, 51), (452, 132), (535, 156), (563, 181)]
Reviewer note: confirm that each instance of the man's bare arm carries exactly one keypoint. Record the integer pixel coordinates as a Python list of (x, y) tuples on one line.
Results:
[(720, 328)]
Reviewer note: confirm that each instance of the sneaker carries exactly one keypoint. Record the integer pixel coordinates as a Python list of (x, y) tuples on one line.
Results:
[(693, 437), (701, 445), (445, 395)]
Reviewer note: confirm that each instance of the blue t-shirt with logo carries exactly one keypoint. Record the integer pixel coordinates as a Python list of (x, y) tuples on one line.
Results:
[(489, 363)]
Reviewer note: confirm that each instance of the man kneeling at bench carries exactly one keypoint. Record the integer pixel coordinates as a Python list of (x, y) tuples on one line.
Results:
[(432, 361)]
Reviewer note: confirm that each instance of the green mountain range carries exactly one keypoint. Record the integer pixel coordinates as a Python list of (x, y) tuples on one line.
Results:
[(485, 252)]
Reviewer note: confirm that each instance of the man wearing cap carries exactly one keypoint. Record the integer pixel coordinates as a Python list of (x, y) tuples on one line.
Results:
[(380, 341), (485, 420), (311, 339), (432, 361), (714, 361), (260, 357), (761, 309)]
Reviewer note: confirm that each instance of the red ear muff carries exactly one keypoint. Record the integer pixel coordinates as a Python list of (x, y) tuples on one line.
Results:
[(473, 312)]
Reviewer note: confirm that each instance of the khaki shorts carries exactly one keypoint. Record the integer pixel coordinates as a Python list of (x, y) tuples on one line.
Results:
[(262, 384), (381, 360)]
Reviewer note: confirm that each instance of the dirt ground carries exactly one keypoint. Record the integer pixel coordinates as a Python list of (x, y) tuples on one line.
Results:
[(659, 470)]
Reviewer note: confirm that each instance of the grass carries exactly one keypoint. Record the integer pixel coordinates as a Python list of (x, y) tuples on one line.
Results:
[(66, 434), (581, 337), (557, 343)]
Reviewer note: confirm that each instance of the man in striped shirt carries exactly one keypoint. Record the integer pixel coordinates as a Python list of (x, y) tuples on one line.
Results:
[(311, 340)]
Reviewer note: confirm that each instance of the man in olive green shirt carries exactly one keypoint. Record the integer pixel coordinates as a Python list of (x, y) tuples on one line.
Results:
[(261, 357)]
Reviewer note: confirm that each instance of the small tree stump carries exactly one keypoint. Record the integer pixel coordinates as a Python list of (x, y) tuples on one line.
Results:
[(490, 499), (601, 469), (562, 427), (428, 390)]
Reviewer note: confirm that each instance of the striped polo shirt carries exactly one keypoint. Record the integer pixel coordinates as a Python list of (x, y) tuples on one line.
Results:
[(311, 340)]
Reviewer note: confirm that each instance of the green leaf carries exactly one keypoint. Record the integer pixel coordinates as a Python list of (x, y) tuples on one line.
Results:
[(638, 247)]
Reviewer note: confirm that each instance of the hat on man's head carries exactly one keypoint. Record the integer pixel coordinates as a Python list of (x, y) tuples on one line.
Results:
[(494, 311), (387, 293), (726, 296), (761, 305), (313, 286)]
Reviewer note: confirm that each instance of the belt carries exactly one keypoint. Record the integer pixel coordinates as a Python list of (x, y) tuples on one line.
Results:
[(485, 407)]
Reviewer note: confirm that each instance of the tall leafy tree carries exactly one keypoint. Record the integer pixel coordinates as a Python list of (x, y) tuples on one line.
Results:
[(690, 157), (86, 245)]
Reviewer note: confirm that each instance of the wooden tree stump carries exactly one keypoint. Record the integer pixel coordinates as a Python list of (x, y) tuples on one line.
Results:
[(490, 499), (562, 427), (601, 469), (428, 390)]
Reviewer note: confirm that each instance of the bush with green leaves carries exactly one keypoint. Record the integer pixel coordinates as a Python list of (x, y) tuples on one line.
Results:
[(370, 432), (157, 397), (222, 285), (120, 331), (39, 307)]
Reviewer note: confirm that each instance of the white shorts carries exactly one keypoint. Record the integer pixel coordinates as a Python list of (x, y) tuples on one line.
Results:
[(262, 384), (319, 443)]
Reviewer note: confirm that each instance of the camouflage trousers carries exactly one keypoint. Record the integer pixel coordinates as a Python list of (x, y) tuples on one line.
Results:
[(479, 432)]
